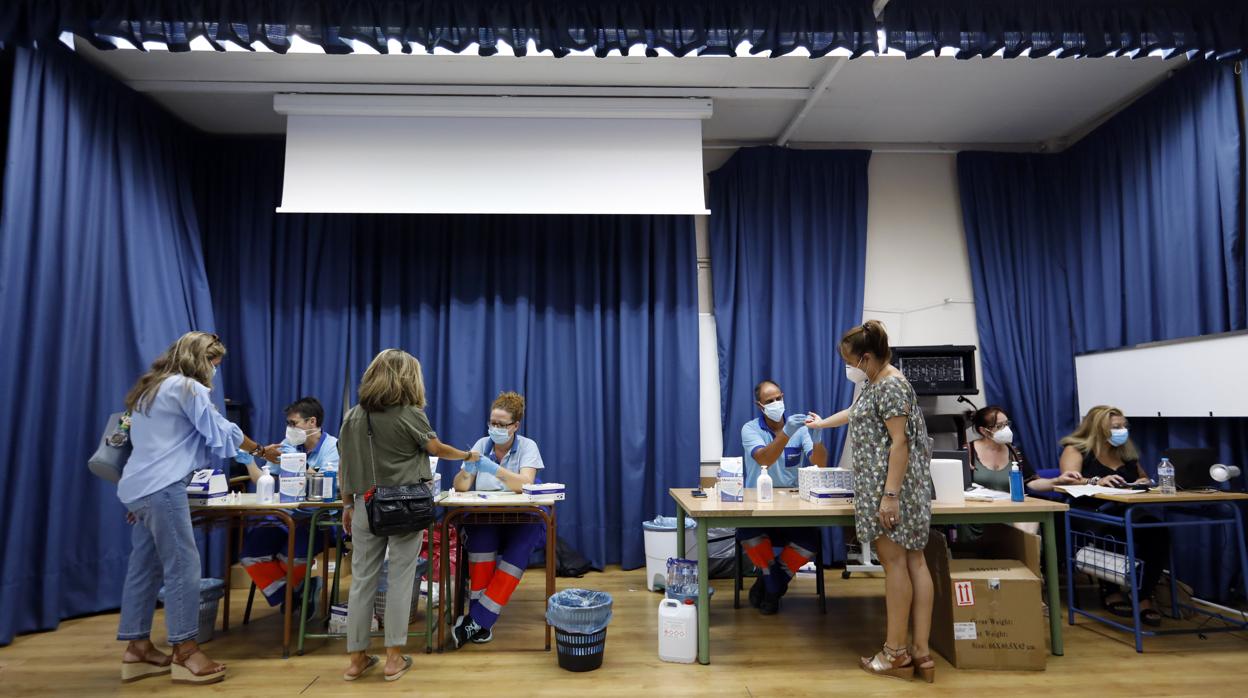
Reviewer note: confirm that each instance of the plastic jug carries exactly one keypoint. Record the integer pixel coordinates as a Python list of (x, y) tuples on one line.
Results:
[(678, 631)]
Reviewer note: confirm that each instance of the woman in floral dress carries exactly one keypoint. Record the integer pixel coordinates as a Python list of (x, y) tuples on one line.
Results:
[(892, 495)]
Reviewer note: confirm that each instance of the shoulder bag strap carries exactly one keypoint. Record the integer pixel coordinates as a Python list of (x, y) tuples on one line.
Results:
[(371, 458)]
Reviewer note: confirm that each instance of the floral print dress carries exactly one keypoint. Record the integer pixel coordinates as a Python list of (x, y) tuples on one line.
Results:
[(890, 397)]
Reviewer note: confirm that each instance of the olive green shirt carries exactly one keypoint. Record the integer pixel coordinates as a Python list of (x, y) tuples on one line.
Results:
[(400, 437)]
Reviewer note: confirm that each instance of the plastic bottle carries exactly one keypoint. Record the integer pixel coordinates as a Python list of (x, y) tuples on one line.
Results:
[(766, 492), (265, 487), (1016, 482), (1165, 476)]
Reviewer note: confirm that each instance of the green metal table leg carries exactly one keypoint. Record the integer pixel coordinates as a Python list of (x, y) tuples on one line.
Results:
[(429, 588), (1050, 580), (680, 531), (307, 577), (704, 585)]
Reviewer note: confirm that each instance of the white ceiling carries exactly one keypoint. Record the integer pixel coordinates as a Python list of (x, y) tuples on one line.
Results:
[(883, 101)]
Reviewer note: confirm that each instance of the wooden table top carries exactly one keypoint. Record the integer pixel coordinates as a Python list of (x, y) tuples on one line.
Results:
[(249, 503), (787, 503), (1155, 497)]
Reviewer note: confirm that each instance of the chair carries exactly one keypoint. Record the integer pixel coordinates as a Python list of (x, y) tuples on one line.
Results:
[(739, 583)]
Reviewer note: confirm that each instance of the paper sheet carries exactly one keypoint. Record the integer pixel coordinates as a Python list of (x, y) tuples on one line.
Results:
[(979, 493), (1077, 491)]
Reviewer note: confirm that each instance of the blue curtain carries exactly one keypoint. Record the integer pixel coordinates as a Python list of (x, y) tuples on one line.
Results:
[(1210, 28), (593, 319), (788, 233), (678, 26), (100, 269), (1133, 235)]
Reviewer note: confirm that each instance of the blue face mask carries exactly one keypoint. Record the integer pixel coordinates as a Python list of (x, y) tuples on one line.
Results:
[(500, 435), (1118, 437)]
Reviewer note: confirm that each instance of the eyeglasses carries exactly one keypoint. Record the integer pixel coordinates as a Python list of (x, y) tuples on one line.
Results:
[(499, 425), (778, 398), (999, 427)]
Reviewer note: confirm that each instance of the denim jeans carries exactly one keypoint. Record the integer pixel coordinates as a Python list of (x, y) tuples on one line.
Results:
[(162, 550)]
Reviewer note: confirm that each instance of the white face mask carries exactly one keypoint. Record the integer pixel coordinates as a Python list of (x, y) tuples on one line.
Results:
[(297, 437), (214, 372), (774, 411), (1004, 435), (855, 375)]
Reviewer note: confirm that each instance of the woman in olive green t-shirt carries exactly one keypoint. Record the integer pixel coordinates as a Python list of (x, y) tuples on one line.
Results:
[(392, 402)]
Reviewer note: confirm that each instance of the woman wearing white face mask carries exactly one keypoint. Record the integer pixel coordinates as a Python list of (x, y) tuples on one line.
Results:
[(892, 495), (992, 454), (264, 551), (497, 553)]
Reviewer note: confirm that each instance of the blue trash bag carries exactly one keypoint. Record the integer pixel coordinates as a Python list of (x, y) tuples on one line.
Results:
[(579, 610), (666, 523)]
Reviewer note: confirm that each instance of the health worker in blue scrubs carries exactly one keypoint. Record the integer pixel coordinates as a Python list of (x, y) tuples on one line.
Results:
[(781, 442)]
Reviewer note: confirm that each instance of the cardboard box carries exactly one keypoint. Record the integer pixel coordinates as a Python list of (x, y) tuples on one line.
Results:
[(987, 612)]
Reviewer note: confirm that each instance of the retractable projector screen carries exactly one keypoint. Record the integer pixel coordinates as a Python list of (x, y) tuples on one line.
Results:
[(510, 155)]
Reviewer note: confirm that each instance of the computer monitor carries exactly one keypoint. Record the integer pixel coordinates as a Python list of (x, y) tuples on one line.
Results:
[(1191, 467)]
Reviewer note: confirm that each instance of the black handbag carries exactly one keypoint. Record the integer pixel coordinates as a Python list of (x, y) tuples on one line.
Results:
[(114, 450), (399, 510)]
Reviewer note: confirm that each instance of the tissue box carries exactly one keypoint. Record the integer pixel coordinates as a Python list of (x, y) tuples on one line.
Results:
[(813, 476), (548, 490), (208, 486), (827, 496), (731, 482)]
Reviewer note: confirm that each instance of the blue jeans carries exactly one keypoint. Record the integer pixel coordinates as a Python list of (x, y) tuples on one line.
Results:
[(162, 550)]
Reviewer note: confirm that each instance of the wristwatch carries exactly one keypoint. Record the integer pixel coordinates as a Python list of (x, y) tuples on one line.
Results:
[(1094, 480)]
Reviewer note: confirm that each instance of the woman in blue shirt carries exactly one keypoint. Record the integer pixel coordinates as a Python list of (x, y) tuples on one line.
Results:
[(174, 429), (497, 553)]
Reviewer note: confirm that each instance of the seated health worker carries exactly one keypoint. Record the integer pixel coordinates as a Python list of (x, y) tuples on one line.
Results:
[(264, 547), (783, 443), (1101, 452), (497, 553)]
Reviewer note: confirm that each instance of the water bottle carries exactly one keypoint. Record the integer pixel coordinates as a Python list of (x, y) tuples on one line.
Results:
[(766, 492), (1016, 482), (265, 487), (1165, 476)]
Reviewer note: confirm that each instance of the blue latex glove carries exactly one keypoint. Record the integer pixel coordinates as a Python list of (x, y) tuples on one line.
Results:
[(794, 424), (470, 468), (487, 466), (244, 457), (816, 435)]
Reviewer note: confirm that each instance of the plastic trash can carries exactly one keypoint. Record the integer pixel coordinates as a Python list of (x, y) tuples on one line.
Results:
[(210, 593), (580, 618), (660, 535)]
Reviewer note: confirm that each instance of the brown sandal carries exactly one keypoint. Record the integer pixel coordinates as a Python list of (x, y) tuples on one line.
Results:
[(927, 673), (893, 663), (184, 674)]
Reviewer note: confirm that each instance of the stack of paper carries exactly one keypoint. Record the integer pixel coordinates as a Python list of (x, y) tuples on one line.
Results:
[(979, 493), (1077, 491)]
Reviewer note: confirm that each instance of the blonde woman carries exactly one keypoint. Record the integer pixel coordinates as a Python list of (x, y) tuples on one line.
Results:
[(1101, 452), (892, 495), (173, 426), (392, 409)]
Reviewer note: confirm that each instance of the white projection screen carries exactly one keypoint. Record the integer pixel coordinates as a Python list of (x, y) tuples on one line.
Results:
[(505, 155), (1198, 377)]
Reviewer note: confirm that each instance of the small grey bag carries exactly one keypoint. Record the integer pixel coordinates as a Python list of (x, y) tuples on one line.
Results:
[(114, 450)]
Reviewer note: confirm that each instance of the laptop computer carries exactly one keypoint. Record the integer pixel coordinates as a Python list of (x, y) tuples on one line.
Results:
[(1191, 467)]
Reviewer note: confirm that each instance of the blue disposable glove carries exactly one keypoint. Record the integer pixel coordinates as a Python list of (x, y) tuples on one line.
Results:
[(487, 466), (794, 424), (470, 468), (816, 435), (244, 457)]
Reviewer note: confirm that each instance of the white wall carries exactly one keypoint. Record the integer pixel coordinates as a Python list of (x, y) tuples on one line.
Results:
[(916, 258)]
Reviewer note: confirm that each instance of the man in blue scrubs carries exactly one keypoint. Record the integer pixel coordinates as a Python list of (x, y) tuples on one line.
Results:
[(782, 443)]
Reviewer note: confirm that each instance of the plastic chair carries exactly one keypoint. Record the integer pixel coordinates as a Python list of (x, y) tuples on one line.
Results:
[(739, 583)]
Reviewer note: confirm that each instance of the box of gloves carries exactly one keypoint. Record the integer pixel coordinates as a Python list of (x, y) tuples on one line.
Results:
[(731, 480), (546, 490), (208, 486), (813, 476)]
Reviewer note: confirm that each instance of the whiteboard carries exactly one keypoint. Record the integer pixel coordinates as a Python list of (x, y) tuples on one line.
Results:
[(1198, 377)]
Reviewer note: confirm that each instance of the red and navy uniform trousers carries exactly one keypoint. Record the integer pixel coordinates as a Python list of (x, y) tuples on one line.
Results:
[(497, 556), (264, 557), (798, 548)]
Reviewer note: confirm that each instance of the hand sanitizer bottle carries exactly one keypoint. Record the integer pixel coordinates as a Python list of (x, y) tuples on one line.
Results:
[(265, 487), (1016, 482), (765, 490)]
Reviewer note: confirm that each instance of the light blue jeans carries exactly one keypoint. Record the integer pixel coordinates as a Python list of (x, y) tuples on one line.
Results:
[(162, 550)]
